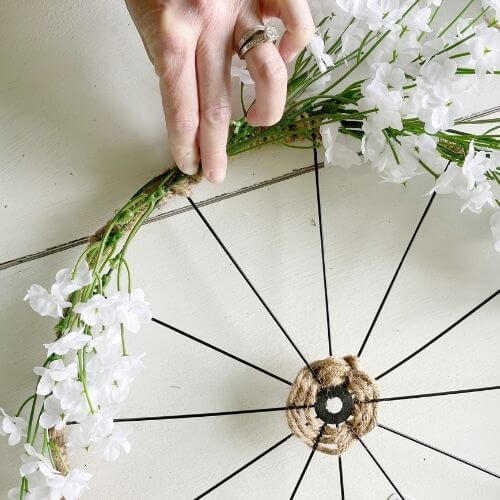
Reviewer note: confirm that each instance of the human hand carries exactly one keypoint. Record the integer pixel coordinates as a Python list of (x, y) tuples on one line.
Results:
[(191, 43)]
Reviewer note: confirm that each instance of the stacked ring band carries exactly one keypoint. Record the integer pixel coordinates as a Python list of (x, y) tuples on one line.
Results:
[(256, 36)]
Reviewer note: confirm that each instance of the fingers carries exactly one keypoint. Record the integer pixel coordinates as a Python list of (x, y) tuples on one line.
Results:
[(213, 63), (175, 65), (269, 73), (299, 26)]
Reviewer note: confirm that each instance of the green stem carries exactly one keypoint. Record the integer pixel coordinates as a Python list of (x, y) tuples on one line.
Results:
[(32, 442), (122, 336), (25, 402), (83, 379), (429, 169), (456, 18), (242, 100)]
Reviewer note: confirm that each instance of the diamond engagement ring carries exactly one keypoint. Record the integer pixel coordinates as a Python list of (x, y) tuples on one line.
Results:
[(256, 36)]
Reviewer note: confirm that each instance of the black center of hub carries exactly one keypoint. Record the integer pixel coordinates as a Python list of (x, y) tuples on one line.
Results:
[(322, 398)]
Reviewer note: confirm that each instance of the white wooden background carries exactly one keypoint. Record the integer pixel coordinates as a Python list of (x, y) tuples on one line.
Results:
[(81, 128)]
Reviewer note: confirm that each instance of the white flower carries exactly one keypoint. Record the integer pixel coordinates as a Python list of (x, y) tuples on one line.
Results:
[(398, 171), (132, 310), (485, 50), (34, 461), (71, 397), (336, 152), (410, 151), (475, 166), (377, 14), (392, 77), (400, 50), (388, 104), (317, 48), (123, 374), (372, 145), (15, 427), (56, 372), (109, 448), (45, 303), (37, 489), (424, 147), (451, 181), (495, 229), (242, 74), (477, 198), (418, 19), (439, 113), (97, 311), (53, 415), (65, 285), (91, 429), (434, 98), (52, 303), (71, 341), (109, 376), (70, 486), (494, 4)]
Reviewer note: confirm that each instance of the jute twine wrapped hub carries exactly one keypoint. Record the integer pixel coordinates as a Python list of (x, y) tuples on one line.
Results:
[(341, 377)]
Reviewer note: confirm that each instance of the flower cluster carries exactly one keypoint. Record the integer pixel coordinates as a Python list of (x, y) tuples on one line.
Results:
[(415, 73), (86, 375)]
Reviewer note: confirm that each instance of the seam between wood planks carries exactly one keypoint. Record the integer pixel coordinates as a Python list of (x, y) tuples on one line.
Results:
[(209, 201)]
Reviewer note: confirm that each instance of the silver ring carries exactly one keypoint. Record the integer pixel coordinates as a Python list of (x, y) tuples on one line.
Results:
[(256, 36)]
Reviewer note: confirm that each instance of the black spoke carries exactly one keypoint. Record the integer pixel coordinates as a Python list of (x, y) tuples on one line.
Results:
[(442, 334), (379, 466), (450, 455), (309, 458), (221, 351), (249, 283), (433, 394), (243, 467), (400, 265), (322, 241), (341, 478), (212, 414)]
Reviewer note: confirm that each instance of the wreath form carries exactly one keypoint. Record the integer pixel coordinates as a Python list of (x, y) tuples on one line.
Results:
[(318, 382)]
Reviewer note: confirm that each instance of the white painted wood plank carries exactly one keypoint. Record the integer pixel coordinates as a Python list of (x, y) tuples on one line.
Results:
[(81, 125)]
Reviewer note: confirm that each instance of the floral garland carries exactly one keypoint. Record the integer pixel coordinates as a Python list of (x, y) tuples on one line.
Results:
[(399, 119)]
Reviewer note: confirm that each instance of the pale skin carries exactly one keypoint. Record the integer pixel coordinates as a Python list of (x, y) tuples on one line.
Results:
[(191, 43)]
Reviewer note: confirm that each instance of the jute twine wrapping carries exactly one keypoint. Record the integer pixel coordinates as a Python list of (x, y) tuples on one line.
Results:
[(182, 188), (59, 455), (332, 372)]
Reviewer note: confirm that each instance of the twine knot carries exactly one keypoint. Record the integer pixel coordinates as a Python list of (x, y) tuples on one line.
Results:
[(342, 378)]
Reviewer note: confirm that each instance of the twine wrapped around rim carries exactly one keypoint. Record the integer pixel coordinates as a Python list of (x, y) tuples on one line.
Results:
[(58, 447), (182, 188), (306, 425)]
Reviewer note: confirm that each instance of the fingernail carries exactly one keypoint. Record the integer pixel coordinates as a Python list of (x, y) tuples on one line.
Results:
[(189, 168), (216, 176)]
